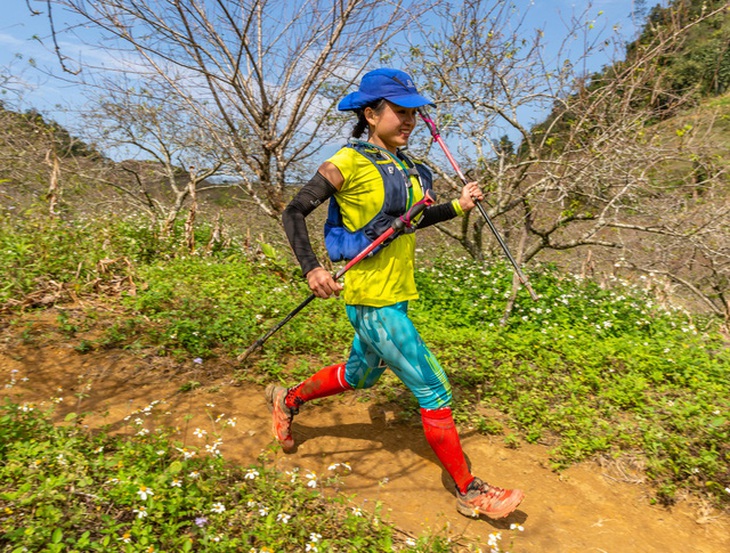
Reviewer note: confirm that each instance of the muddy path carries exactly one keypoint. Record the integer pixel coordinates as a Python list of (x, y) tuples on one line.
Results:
[(591, 507)]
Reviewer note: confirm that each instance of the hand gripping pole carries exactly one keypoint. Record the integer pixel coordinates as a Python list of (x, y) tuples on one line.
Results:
[(433, 129), (399, 225)]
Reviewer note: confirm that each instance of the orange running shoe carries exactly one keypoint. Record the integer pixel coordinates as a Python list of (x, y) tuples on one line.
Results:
[(482, 499), (281, 414)]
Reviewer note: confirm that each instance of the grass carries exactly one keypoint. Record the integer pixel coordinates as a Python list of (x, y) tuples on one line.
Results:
[(64, 488), (588, 370)]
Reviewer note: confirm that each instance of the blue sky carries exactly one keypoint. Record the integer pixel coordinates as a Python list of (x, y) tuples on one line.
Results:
[(24, 37)]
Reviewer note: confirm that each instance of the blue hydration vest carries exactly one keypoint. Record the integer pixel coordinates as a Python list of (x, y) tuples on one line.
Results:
[(342, 244)]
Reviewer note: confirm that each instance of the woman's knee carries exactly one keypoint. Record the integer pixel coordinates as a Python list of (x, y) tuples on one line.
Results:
[(434, 398)]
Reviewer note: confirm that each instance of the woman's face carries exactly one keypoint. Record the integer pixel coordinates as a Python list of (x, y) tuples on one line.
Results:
[(391, 126)]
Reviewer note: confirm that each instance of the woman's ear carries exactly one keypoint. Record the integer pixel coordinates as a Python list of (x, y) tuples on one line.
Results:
[(370, 116)]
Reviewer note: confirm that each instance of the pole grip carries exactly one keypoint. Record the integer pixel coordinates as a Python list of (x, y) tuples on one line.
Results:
[(436, 135), (398, 225)]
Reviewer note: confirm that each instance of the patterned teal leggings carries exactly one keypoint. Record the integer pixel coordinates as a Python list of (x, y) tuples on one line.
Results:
[(385, 337)]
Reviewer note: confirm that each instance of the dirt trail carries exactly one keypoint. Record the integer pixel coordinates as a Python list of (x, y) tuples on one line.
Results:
[(584, 509)]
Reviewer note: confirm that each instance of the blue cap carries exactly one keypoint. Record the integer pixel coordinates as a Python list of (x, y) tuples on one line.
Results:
[(391, 84)]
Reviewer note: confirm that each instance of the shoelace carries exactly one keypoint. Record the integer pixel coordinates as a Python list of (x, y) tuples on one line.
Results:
[(484, 488)]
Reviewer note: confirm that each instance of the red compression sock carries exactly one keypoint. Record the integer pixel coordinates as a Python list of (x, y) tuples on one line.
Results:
[(323, 383), (442, 436)]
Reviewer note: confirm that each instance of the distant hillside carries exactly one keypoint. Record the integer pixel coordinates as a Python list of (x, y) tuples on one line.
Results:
[(702, 62)]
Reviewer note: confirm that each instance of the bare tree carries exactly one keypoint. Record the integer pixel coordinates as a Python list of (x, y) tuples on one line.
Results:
[(260, 77), (149, 127), (589, 175)]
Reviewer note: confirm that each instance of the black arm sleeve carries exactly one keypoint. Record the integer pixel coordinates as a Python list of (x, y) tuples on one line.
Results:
[(437, 214), (316, 191)]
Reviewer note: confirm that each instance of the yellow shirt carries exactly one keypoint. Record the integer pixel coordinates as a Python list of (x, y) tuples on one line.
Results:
[(388, 276)]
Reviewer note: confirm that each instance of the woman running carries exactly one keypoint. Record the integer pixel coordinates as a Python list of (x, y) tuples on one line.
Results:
[(369, 183)]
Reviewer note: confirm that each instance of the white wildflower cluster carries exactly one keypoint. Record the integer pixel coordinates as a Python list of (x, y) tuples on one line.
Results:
[(314, 539), (59, 398), (13, 381), (137, 419), (493, 542), (214, 448), (186, 453)]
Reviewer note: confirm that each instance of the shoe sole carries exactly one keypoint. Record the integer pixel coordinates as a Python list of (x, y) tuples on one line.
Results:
[(269, 393), (472, 512)]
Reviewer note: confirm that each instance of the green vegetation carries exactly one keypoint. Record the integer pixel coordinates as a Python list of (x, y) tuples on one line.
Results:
[(589, 370), (702, 62), (64, 488)]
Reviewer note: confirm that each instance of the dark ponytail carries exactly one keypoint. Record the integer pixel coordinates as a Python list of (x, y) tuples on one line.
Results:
[(362, 124)]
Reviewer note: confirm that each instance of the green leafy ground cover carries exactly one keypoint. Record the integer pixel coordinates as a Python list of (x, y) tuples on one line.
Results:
[(589, 370), (64, 488)]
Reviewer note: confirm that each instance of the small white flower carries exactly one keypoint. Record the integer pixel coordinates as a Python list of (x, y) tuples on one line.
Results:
[(200, 433), (314, 537), (283, 518), (312, 480), (263, 511), (187, 454), (231, 422), (251, 474), (194, 475), (218, 507), (515, 526), (410, 542), (141, 512), (212, 449), (144, 492), (357, 511), (143, 432), (175, 483)]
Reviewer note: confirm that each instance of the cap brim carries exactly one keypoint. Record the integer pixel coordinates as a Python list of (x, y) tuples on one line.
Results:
[(355, 100)]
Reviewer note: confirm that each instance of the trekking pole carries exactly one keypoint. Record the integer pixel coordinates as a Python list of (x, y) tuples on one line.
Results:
[(399, 224), (433, 129)]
